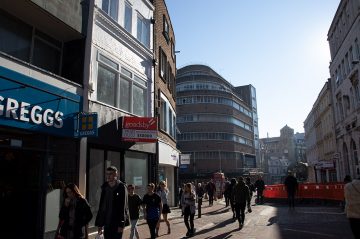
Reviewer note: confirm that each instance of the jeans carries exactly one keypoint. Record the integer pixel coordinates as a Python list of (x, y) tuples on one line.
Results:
[(133, 229), (188, 214), (111, 232)]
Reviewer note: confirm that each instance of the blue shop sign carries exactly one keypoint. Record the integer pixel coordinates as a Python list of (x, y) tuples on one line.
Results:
[(86, 124), (30, 104)]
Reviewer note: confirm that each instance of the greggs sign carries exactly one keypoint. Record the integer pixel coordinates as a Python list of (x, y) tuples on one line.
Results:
[(139, 129)]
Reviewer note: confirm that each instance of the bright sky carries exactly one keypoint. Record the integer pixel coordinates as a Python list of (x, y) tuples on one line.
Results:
[(278, 46)]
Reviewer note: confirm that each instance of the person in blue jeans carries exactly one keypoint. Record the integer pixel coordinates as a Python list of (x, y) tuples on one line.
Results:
[(135, 203), (152, 207)]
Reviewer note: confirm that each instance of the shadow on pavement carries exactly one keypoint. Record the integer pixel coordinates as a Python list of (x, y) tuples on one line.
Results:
[(219, 225)]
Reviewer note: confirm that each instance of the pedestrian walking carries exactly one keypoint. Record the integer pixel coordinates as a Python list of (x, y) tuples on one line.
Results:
[(163, 193), (291, 185), (152, 209), (250, 186), (227, 192), (113, 206), (352, 206), (211, 189), (233, 182), (241, 197), (199, 195), (189, 208), (135, 203), (75, 214), (260, 187)]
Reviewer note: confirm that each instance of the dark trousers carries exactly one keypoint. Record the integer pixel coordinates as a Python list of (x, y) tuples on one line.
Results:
[(240, 212), (232, 204), (211, 199), (188, 214), (291, 199), (199, 206), (112, 232), (227, 199), (152, 227), (355, 227), (260, 197)]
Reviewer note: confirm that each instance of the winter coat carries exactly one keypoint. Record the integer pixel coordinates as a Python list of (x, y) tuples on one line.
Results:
[(83, 215), (119, 206), (240, 193)]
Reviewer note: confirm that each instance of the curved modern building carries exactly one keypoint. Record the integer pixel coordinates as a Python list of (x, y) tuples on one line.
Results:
[(217, 124)]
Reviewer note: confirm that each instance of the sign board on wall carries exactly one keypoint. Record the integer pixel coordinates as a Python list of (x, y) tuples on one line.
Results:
[(185, 159), (139, 129), (30, 104)]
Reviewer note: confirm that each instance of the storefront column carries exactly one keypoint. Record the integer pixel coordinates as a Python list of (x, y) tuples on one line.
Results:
[(82, 165)]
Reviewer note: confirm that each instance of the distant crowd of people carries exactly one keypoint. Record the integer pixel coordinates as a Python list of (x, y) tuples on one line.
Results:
[(120, 206)]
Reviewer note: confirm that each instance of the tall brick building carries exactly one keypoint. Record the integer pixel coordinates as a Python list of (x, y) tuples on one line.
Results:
[(164, 97)]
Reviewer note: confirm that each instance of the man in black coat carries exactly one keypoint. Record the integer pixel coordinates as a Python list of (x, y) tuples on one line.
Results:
[(113, 206), (260, 187), (291, 185)]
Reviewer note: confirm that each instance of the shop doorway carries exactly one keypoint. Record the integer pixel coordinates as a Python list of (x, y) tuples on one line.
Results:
[(20, 193)]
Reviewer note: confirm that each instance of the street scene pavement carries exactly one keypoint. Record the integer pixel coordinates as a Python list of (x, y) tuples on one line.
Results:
[(270, 220)]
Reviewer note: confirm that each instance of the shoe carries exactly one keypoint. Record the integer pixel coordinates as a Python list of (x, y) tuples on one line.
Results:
[(188, 233), (169, 230)]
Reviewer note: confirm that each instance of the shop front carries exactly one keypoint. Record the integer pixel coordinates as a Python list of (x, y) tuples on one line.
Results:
[(168, 164), (38, 153), (129, 147)]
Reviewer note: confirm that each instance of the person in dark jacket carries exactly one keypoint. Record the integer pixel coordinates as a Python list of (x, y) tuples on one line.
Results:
[(113, 206), (260, 187), (250, 186), (291, 185), (135, 203), (211, 191), (241, 197), (199, 194), (227, 192), (233, 182), (75, 214)]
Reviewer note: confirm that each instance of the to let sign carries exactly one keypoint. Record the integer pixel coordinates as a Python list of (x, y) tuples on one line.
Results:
[(139, 129)]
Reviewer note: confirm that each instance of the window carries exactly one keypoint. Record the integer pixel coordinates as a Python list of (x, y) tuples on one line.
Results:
[(128, 17), (18, 37), (46, 52), (166, 29), (163, 65), (119, 87), (172, 49), (143, 31), (106, 86), (163, 115), (111, 8)]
